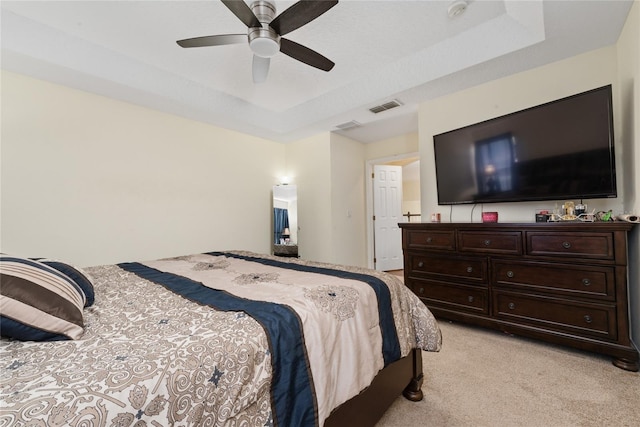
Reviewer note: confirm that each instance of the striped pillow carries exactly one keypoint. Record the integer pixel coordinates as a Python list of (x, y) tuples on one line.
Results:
[(82, 279), (37, 302)]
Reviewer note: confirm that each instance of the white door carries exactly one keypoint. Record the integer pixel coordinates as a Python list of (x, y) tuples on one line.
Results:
[(387, 213)]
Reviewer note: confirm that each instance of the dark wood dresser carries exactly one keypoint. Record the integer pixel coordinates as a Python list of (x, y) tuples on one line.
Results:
[(565, 283)]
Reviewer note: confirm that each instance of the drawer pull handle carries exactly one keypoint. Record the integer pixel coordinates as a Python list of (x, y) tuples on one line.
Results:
[(469, 269), (588, 318), (487, 242), (421, 264), (510, 274), (429, 239), (512, 306), (470, 298), (566, 245), (586, 282), (422, 290)]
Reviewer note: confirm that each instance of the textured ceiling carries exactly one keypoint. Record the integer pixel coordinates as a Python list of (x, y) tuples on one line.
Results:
[(383, 50)]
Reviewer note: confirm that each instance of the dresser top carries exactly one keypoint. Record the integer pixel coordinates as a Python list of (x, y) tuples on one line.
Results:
[(556, 226)]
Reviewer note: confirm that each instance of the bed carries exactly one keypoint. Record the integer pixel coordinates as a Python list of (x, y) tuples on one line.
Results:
[(222, 338)]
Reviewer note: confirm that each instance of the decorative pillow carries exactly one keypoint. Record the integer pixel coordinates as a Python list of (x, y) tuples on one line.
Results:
[(37, 302), (81, 278)]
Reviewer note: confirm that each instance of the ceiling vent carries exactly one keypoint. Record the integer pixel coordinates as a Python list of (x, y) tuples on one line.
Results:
[(386, 106), (349, 125)]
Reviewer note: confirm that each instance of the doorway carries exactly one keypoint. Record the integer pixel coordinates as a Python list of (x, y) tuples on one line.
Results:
[(411, 211)]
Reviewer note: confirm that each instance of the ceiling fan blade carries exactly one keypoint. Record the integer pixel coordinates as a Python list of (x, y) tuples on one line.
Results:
[(260, 68), (300, 14), (218, 40), (304, 54), (243, 12)]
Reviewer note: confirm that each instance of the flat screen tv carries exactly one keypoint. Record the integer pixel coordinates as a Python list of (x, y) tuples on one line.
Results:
[(561, 150)]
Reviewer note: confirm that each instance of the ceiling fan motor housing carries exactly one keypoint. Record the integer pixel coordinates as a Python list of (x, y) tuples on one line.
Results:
[(265, 11), (264, 41)]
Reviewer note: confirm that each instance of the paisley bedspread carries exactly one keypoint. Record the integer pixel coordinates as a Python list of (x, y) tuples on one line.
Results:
[(254, 340)]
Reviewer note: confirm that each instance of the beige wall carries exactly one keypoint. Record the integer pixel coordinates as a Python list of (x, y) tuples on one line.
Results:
[(309, 167), (411, 198), (93, 181), (628, 50), (506, 95), (329, 170), (348, 201), (392, 147)]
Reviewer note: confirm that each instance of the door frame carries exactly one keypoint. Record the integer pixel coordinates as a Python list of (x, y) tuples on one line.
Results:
[(369, 198)]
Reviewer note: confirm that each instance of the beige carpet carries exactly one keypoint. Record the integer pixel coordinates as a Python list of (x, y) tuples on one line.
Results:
[(486, 378)]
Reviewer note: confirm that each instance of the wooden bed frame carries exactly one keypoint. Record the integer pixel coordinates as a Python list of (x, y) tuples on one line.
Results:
[(403, 376)]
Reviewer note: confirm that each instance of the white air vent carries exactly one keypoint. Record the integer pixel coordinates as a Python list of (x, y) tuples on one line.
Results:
[(386, 106), (349, 125)]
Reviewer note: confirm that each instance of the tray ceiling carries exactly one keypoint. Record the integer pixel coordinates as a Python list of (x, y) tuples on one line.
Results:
[(383, 50)]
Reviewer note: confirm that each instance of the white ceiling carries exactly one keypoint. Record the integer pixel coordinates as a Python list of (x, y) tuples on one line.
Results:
[(383, 50)]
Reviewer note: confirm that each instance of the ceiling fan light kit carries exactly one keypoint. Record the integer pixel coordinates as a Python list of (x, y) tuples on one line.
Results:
[(265, 31), (264, 42)]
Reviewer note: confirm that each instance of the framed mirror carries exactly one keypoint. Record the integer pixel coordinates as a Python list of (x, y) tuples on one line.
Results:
[(285, 220)]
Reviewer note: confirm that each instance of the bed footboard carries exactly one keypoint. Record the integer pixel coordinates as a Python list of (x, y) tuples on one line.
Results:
[(368, 407)]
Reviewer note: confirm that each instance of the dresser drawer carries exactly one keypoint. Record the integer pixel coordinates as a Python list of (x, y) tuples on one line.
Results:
[(502, 242), (583, 245), (587, 281), (580, 318), (431, 239), (459, 297), (448, 268)]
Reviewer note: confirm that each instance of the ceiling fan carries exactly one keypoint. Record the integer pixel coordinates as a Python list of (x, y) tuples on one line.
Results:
[(265, 31)]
